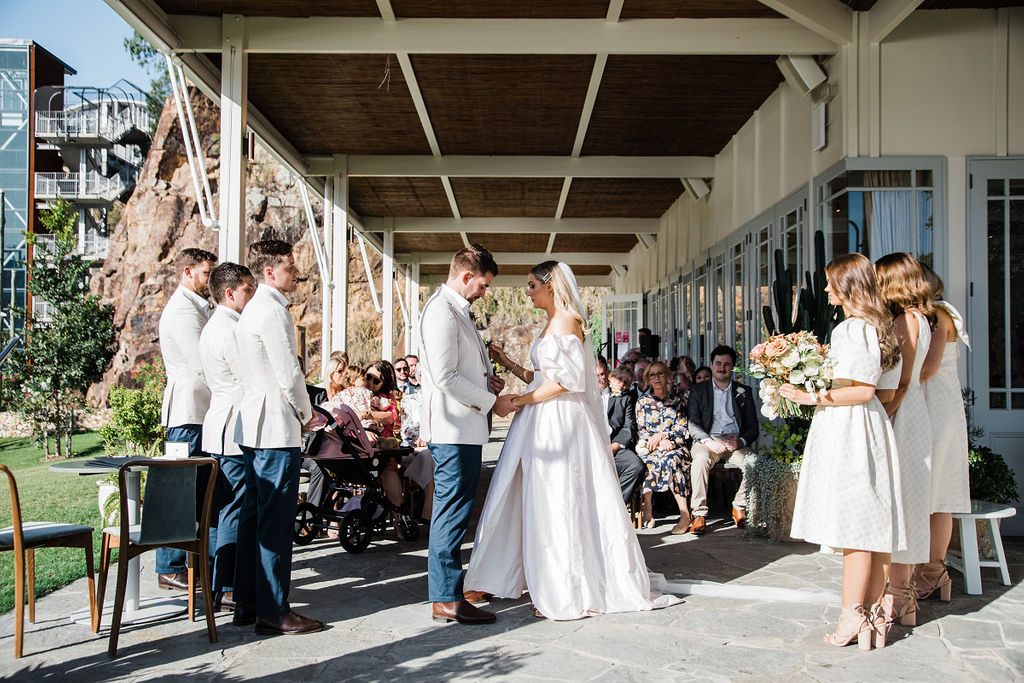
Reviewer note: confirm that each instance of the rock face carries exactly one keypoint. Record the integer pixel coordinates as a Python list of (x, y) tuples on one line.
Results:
[(162, 218)]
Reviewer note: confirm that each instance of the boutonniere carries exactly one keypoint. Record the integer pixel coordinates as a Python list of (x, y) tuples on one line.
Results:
[(740, 391), (616, 393)]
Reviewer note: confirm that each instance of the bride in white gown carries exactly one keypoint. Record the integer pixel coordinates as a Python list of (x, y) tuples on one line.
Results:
[(553, 519)]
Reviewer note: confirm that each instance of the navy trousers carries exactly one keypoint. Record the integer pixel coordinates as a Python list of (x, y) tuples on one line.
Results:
[(168, 560), (228, 498), (266, 524), (456, 474)]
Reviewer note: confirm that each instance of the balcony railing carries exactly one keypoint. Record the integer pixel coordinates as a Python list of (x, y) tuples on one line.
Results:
[(42, 311), (75, 186), (90, 124)]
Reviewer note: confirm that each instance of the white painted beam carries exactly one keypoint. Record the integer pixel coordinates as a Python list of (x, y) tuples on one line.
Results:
[(327, 282), (562, 197), (417, 100), (600, 60), (233, 100), (386, 11), (387, 337), (829, 19), (519, 166), (339, 257), (370, 35), (886, 15), (450, 193), (520, 280), (594, 226), (614, 10), (522, 258)]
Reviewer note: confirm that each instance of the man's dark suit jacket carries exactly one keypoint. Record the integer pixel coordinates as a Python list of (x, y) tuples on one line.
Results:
[(700, 411), (622, 419)]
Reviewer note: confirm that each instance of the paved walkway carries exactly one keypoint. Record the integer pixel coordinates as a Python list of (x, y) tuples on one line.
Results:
[(380, 628)]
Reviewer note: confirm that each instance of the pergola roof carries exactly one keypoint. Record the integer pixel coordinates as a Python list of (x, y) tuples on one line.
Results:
[(532, 126)]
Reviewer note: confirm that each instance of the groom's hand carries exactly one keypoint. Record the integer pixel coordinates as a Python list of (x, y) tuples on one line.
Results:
[(495, 383), (504, 406)]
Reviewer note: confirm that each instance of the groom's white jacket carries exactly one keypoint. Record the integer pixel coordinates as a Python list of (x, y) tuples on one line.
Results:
[(454, 369)]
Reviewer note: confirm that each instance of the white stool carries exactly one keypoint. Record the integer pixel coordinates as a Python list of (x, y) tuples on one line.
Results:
[(970, 564)]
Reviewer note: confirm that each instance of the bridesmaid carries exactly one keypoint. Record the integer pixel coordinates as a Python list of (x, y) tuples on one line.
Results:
[(951, 490), (903, 288), (849, 478)]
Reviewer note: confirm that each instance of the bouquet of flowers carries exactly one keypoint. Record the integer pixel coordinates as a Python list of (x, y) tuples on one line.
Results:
[(795, 358)]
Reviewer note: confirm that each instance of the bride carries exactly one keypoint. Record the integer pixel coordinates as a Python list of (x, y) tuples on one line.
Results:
[(553, 519)]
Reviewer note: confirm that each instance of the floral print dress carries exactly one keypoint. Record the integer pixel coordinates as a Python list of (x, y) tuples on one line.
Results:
[(666, 470)]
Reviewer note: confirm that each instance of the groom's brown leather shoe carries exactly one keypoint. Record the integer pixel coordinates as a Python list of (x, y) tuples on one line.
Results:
[(476, 597), (462, 612), (698, 527), (739, 517)]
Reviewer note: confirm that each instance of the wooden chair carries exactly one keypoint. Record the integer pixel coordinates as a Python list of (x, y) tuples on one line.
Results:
[(635, 507), (168, 520), (23, 538)]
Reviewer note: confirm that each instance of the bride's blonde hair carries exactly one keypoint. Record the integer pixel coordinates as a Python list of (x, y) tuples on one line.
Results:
[(561, 293), (852, 278)]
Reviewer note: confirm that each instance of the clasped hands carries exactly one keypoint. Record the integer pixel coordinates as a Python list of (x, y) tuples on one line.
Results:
[(503, 406), (798, 396), (660, 441)]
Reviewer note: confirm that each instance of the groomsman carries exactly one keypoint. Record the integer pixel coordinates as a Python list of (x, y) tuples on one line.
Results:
[(274, 408), (231, 286), (723, 423), (186, 397)]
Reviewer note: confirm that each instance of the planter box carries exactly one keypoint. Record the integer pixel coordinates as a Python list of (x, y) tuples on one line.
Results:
[(771, 496)]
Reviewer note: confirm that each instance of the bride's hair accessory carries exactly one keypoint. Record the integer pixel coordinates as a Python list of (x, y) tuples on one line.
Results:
[(563, 288)]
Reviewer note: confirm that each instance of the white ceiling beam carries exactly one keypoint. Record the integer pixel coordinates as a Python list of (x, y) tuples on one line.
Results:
[(519, 166), (588, 102), (614, 10), (830, 19), (387, 13), (551, 243), (566, 184), (520, 280), (438, 258), (370, 35), (450, 193), (417, 99), (886, 15), (533, 226)]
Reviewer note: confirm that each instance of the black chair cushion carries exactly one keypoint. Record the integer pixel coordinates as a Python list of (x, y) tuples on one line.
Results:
[(36, 533)]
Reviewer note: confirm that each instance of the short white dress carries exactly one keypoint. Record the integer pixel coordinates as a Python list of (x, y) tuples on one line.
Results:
[(848, 495), (912, 428), (951, 487)]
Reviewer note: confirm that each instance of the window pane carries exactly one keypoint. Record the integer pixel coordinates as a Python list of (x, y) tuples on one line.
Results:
[(737, 290), (924, 179), (880, 179), (1016, 273), (997, 400), (1017, 401), (890, 214), (719, 301), (926, 229), (996, 296), (1017, 186), (837, 184), (996, 187)]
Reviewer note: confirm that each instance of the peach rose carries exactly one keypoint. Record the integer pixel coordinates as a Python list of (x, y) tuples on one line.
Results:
[(776, 348), (758, 350)]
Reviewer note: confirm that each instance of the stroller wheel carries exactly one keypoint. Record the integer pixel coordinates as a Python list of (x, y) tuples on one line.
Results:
[(308, 522), (406, 528), (355, 532)]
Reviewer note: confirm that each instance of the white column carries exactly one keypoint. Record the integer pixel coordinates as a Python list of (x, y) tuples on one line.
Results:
[(414, 306), (327, 279), (233, 94), (339, 254), (407, 349), (387, 337)]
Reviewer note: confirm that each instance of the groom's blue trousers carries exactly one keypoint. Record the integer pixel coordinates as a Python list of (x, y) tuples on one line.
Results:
[(456, 473)]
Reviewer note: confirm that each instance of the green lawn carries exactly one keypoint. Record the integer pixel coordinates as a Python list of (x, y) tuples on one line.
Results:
[(50, 497)]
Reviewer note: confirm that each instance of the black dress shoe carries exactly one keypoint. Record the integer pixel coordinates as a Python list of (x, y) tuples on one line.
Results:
[(175, 582), (243, 616), (223, 602), (290, 624)]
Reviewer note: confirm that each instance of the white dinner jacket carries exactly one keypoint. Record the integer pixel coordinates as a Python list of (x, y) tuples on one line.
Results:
[(219, 354), (275, 404), (186, 397), (453, 373)]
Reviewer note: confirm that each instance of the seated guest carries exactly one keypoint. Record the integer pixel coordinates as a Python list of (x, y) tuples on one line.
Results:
[(641, 375), (384, 398), (681, 382), (686, 363), (419, 466), (414, 377), (403, 376), (661, 423), (621, 411), (355, 395), (701, 374), (723, 424), (337, 363)]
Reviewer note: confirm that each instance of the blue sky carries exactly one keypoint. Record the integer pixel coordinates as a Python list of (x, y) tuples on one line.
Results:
[(85, 34)]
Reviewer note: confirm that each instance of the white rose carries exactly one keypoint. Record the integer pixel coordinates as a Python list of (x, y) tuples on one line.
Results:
[(790, 359), (811, 368), (796, 377), (768, 411)]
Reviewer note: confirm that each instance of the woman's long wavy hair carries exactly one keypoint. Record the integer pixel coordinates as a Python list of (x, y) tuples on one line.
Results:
[(853, 281), (903, 287), (938, 288), (387, 375), (550, 271)]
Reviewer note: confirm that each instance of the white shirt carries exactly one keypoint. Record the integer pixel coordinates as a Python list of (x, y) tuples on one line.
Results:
[(606, 395), (724, 421)]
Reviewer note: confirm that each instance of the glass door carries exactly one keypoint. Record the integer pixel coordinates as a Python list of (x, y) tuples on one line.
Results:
[(622, 317)]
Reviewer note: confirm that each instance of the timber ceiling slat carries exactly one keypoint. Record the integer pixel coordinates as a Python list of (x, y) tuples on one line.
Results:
[(273, 8), (428, 241), (332, 103), (509, 242), (399, 197), (514, 197), (859, 5), (621, 197), (504, 104), (581, 243), (501, 9), (696, 9), (677, 105)]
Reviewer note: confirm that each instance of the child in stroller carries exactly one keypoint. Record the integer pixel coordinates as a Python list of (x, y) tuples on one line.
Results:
[(351, 467)]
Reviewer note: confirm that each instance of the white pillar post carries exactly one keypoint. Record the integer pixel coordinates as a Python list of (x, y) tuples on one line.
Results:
[(339, 254), (233, 96), (414, 306), (327, 279), (387, 337), (407, 347)]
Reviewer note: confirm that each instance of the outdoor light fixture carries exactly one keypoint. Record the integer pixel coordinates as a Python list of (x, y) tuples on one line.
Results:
[(801, 72)]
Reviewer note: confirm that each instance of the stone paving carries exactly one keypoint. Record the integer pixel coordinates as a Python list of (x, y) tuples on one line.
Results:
[(380, 627)]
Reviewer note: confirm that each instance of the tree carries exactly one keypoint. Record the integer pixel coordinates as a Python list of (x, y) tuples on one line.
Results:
[(67, 345), (146, 56)]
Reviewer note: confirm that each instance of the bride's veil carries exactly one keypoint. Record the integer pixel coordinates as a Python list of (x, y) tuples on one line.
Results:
[(591, 394)]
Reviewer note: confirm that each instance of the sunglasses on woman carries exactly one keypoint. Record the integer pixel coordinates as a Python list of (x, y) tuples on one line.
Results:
[(374, 379)]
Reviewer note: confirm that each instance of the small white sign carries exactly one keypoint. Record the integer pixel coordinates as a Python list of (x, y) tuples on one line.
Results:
[(176, 450)]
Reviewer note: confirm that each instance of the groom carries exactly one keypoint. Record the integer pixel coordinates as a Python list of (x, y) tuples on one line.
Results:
[(458, 391)]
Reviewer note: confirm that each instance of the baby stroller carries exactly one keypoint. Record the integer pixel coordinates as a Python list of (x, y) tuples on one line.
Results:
[(356, 474)]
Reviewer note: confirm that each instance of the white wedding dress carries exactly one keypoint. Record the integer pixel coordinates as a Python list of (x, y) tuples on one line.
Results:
[(553, 520)]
